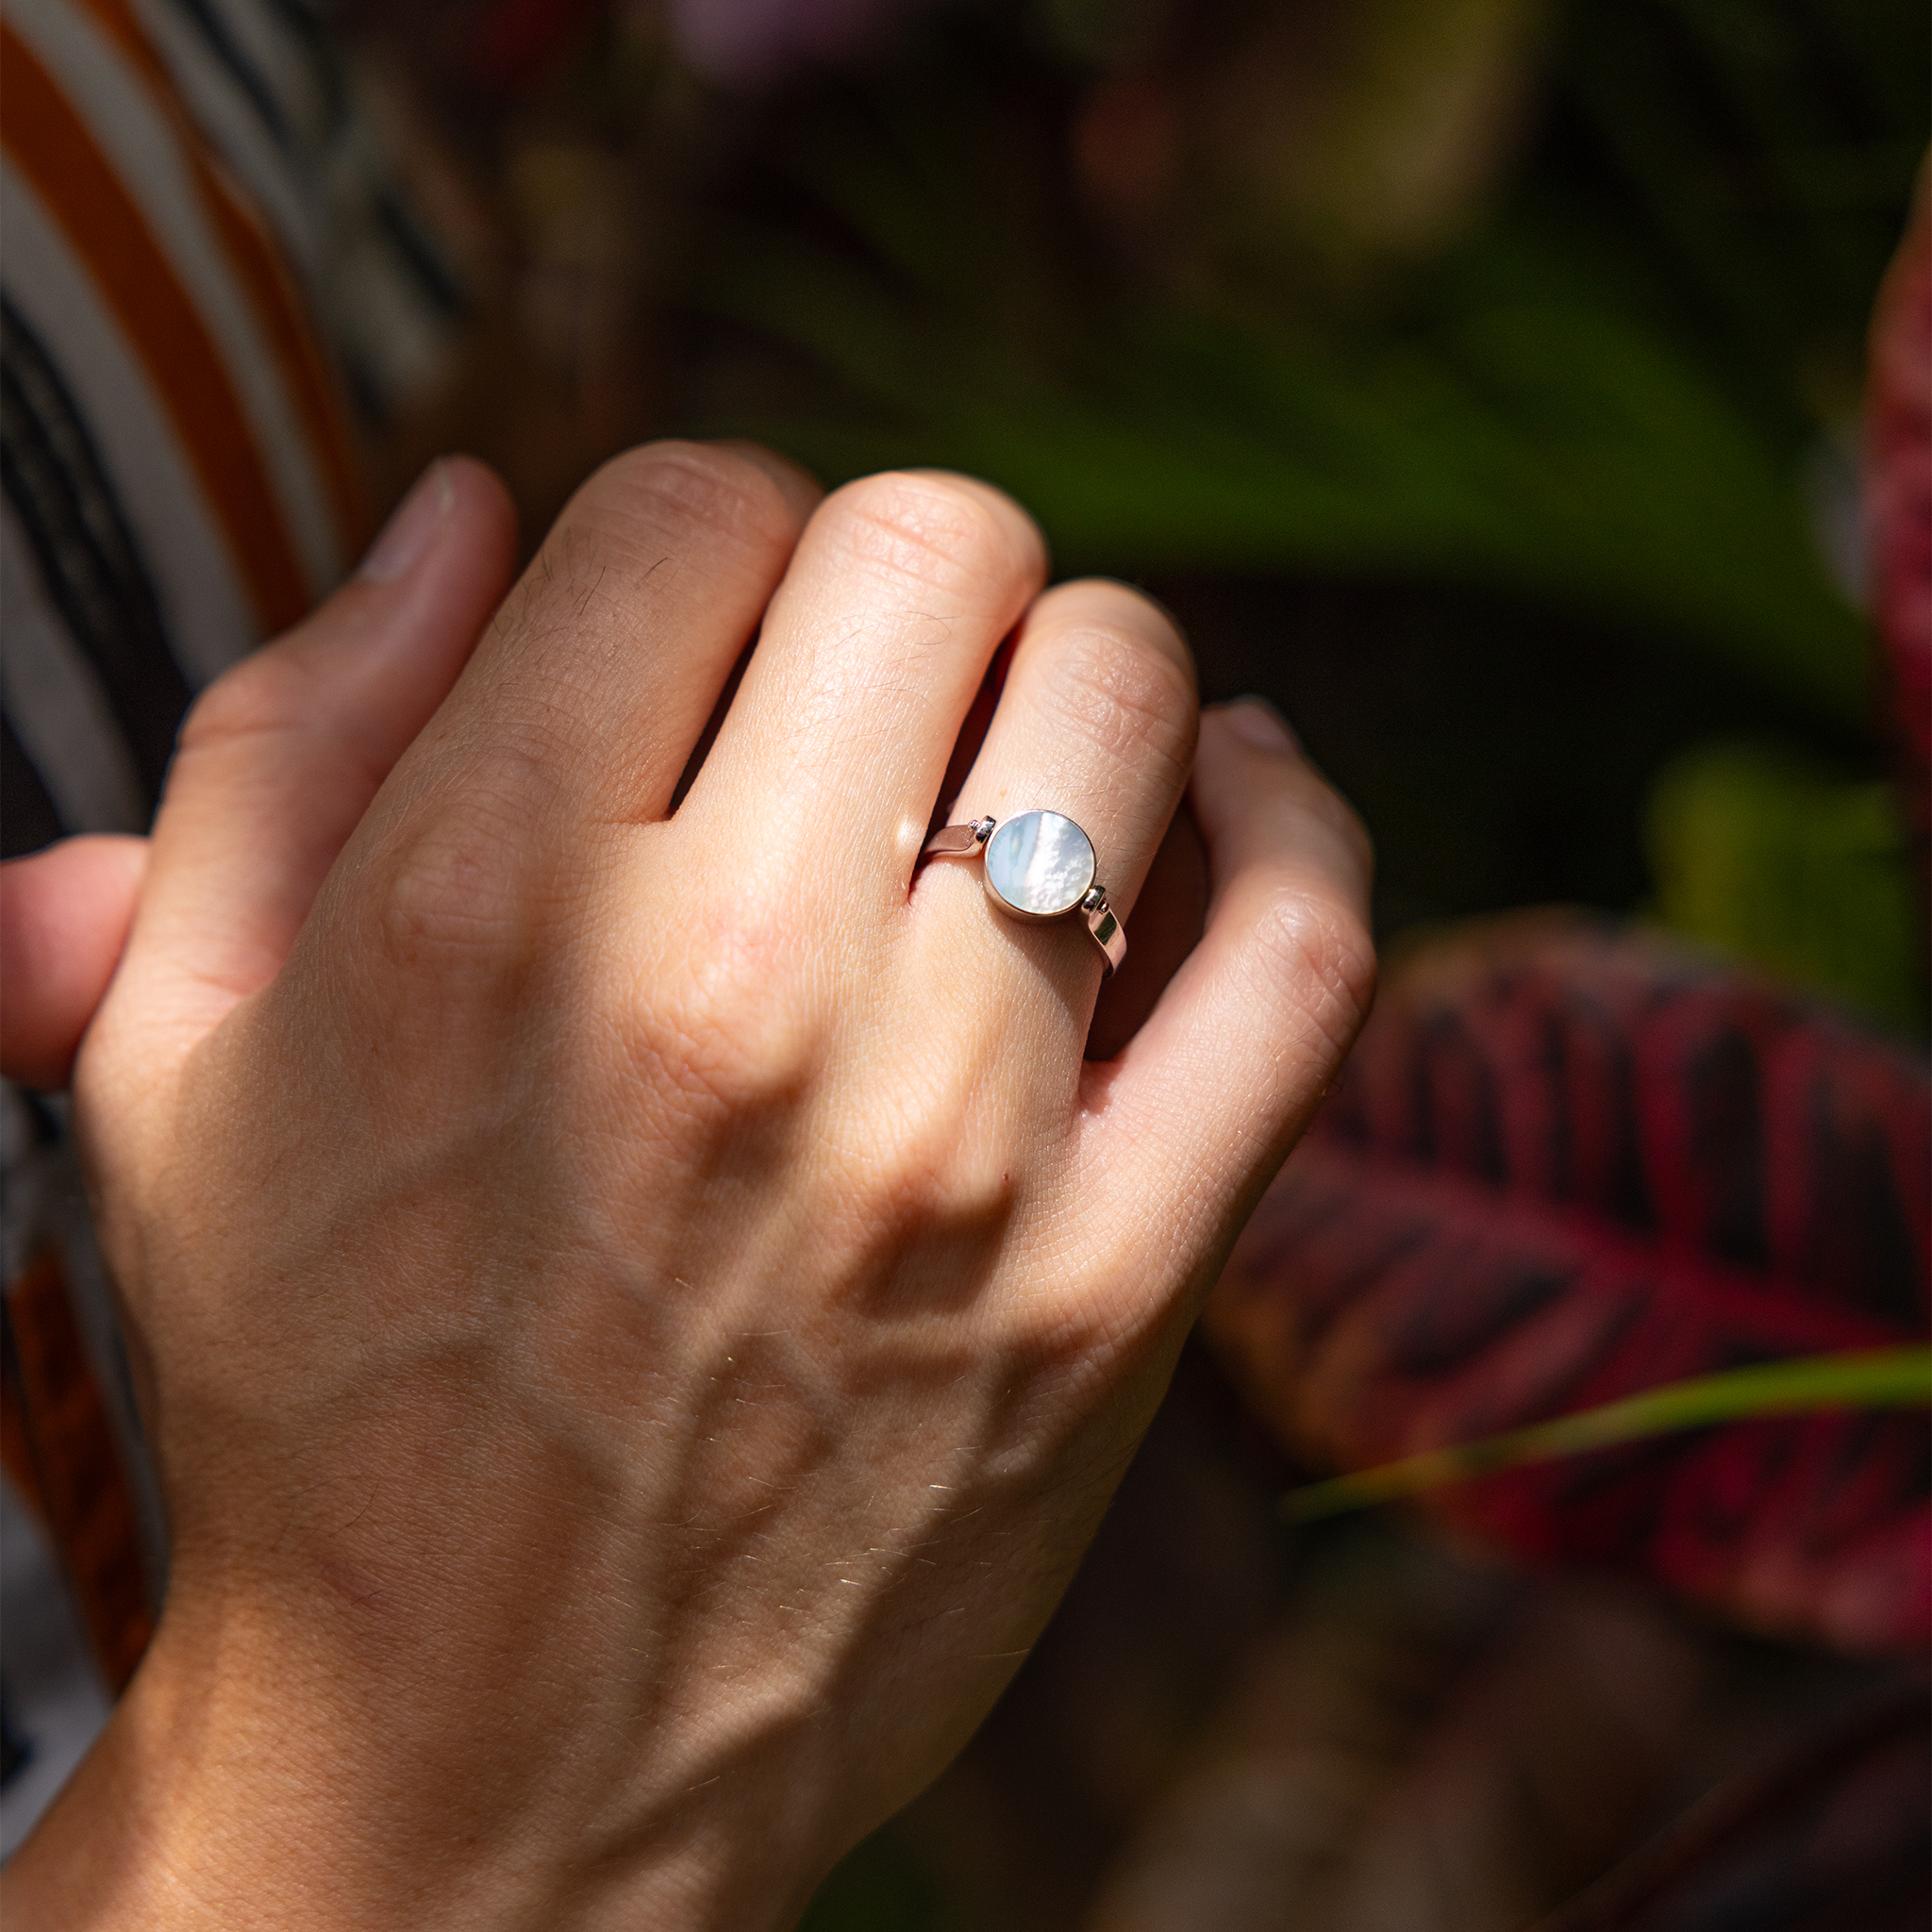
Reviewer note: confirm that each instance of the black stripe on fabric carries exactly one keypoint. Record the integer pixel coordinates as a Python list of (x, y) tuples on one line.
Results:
[(44, 1127), (326, 68), (412, 242), (28, 817), (88, 562), (16, 1747), (419, 254), (214, 32), (318, 49), (365, 391)]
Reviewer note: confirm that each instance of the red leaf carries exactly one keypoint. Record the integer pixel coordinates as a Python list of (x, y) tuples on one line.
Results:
[(1898, 499), (1567, 1162), (1831, 1831)]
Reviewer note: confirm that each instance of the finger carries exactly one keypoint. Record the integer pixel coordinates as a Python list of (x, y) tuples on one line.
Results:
[(64, 915), (1209, 1097), (1097, 723), (280, 757), (899, 595), (595, 684), (1169, 918)]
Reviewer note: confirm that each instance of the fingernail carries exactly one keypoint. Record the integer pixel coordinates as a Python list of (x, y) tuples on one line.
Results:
[(1255, 722), (413, 526)]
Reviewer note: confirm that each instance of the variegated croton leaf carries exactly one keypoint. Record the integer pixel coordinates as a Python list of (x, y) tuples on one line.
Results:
[(1898, 502), (1569, 1161)]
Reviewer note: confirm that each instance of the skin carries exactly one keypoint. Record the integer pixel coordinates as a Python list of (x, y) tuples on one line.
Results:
[(639, 1314), (64, 915)]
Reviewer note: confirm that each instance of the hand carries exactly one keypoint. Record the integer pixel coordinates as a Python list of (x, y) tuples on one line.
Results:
[(640, 1313)]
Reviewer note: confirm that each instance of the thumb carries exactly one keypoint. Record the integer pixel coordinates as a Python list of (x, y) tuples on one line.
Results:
[(64, 915), (280, 755)]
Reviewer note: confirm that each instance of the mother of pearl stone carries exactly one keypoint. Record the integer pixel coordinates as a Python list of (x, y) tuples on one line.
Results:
[(1039, 865)]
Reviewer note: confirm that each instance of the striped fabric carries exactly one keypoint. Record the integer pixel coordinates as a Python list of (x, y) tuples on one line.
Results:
[(205, 276)]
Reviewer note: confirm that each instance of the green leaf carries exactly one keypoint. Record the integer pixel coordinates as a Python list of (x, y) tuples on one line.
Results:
[(1600, 401), (1770, 857), (1529, 436), (1876, 1378)]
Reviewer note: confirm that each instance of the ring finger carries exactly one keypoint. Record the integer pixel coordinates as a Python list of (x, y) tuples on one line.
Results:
[(1097, 722)]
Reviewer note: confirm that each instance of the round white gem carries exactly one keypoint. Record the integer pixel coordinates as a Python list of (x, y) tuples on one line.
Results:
[(1041, 864)]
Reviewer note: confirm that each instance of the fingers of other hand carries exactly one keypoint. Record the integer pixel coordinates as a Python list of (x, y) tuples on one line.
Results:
[(280, 757), (64, 915), (598, 677), (1229, 1067)]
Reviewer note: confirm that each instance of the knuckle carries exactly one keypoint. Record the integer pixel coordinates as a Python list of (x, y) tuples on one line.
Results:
[(448, 901), (944, 531), (1122, 693), (662, 492), (276, 715), (263, 693), (1321, 949), (726, 1022)]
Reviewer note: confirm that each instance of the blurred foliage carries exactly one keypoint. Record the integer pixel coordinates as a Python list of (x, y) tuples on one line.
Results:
[(1785, 863), (1766, 148), (1599, 399), (1530, 438)]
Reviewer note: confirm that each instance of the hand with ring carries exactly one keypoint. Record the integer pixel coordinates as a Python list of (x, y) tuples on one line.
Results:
[(638, 1311)]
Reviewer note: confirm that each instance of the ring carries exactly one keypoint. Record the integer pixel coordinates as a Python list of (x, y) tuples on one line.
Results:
[(1039, 865)]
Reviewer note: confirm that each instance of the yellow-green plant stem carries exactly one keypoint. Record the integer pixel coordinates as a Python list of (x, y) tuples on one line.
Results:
[(1869, 1378)]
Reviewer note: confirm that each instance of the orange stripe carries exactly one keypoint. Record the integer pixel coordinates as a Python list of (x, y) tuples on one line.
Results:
[(54, 152), (258, 261)]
